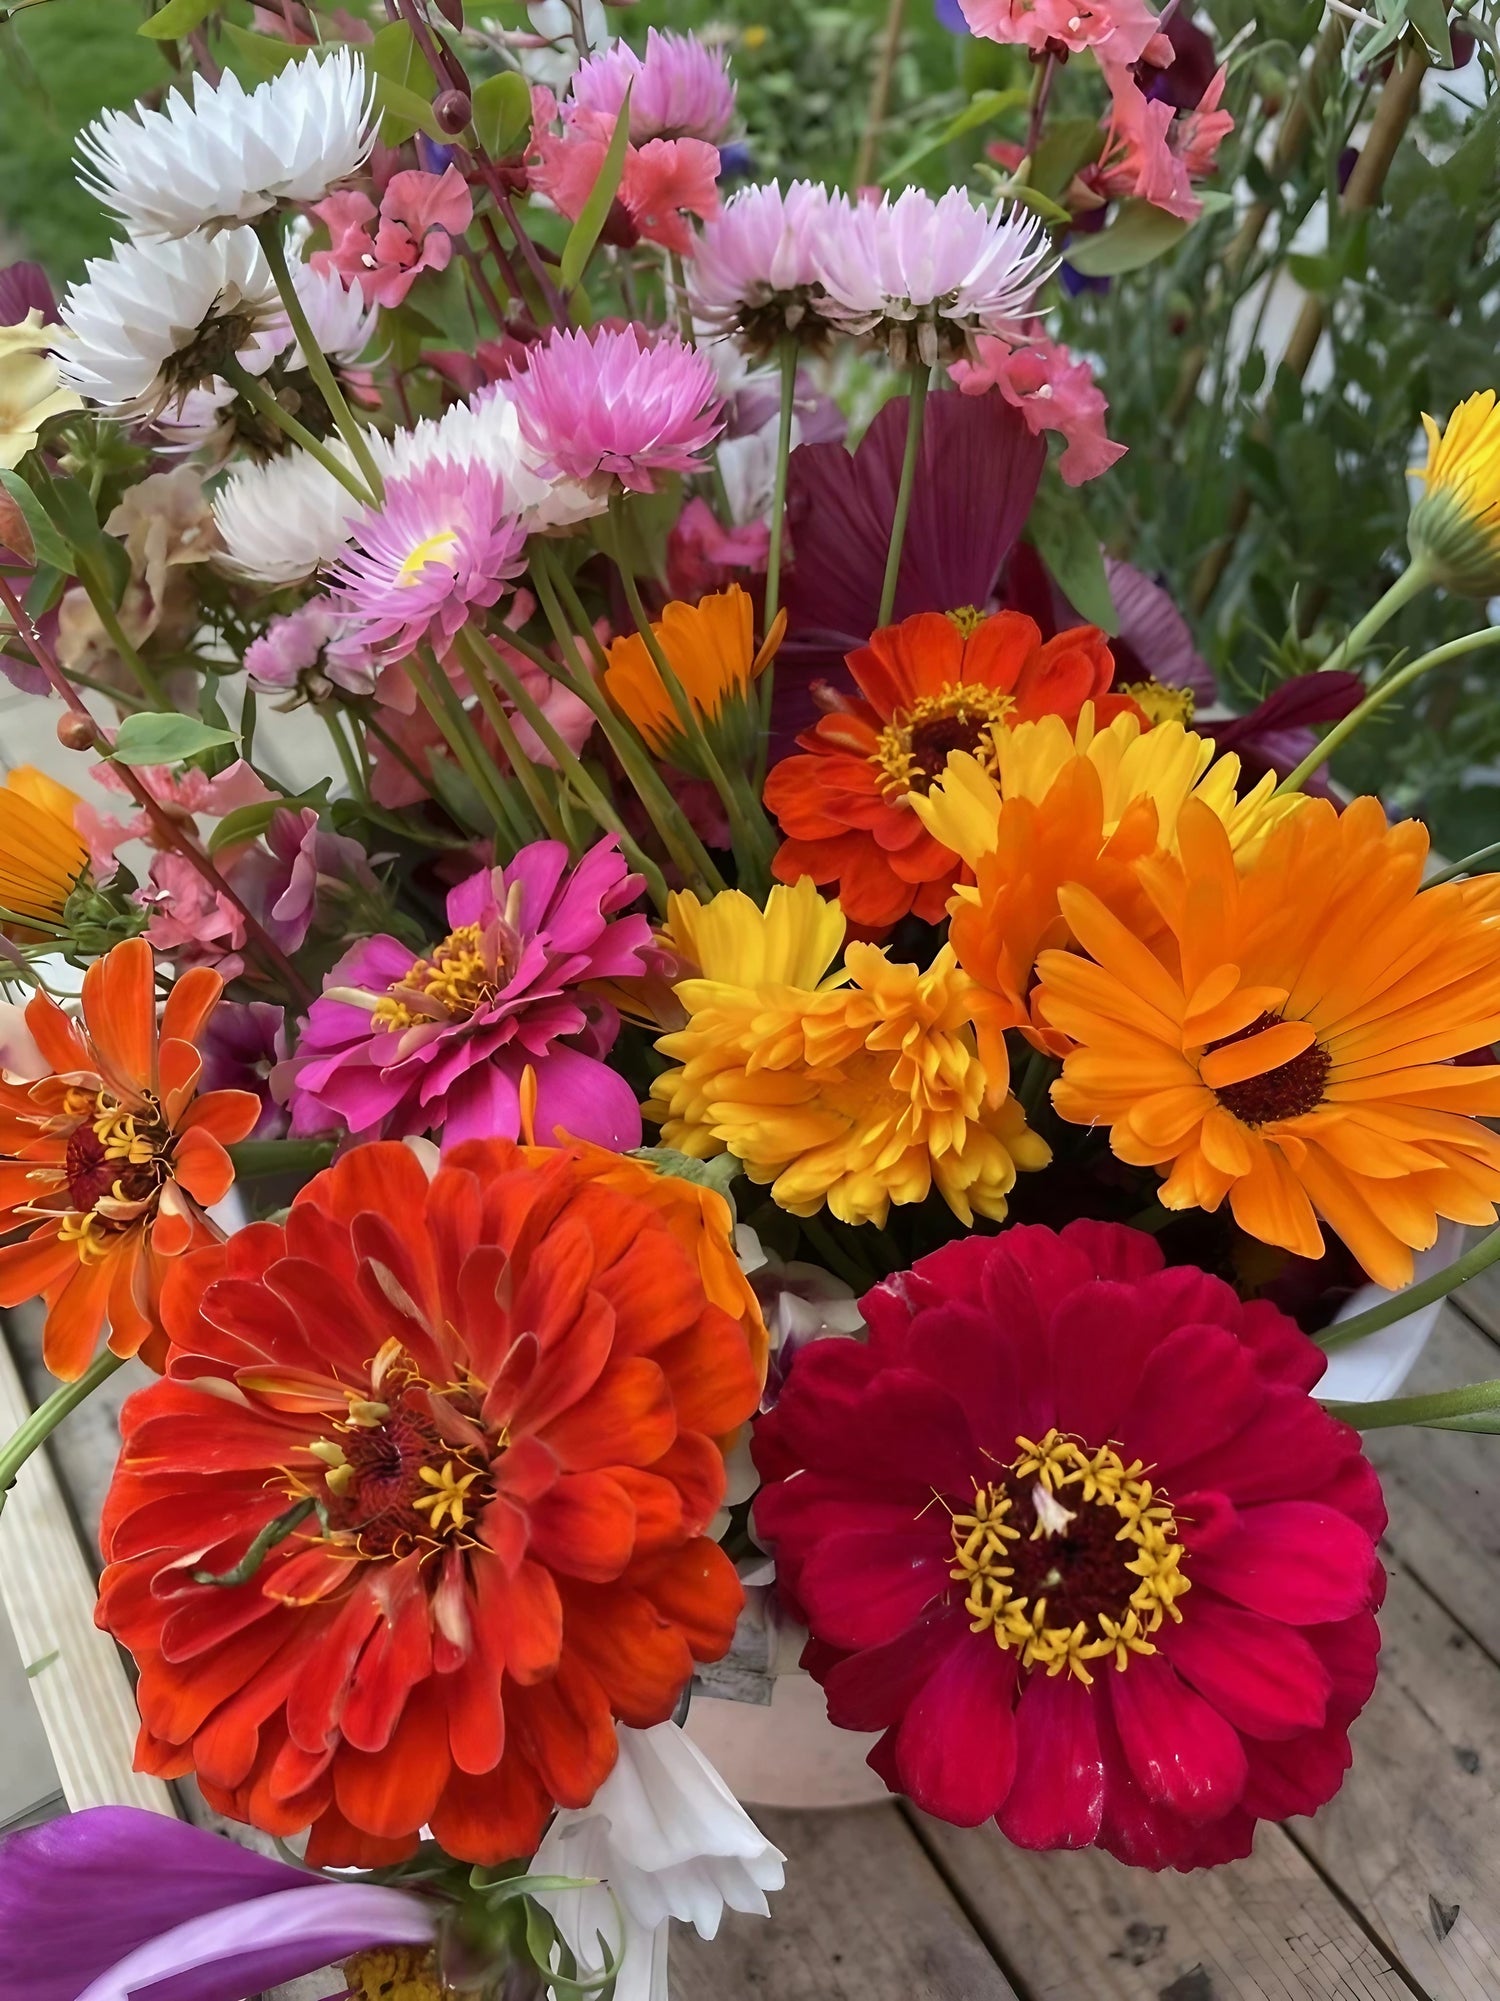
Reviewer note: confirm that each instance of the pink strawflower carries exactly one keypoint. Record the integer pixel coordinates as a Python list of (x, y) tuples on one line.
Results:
[(1119, 31), (418, 218), (680, 89), (441, 543), (924, 276), (663, 180), (309, 652), (1054, 392), (756, 271), (403, 1043), (616, 405)]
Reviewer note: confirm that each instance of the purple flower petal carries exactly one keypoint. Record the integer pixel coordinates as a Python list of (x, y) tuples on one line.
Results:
[(1155, 641)]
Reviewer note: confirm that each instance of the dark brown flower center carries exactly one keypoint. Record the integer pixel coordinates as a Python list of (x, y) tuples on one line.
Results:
[(396, 1479), (1283, 1093), (916, 744)]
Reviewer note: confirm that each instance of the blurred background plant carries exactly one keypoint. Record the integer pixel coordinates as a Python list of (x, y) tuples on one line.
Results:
[(1266, 365)]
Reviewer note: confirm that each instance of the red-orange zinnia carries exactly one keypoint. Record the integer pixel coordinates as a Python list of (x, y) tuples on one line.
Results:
[(455, 1438), (111, 1154), (933, 684)]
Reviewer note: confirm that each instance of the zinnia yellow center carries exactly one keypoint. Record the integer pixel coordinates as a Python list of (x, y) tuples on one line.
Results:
[(915, 745), (1159, 703), (1070, 1557), (450, 986), (435, 548), (393, 1973), (116, 1166)]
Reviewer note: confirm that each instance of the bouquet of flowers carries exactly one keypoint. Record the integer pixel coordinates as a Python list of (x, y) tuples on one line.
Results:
[(790, 1040)]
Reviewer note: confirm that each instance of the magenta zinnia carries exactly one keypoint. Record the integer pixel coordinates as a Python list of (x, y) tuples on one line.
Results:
[(492, 1033), (445, 539), (1073, 1534), (616, 405)]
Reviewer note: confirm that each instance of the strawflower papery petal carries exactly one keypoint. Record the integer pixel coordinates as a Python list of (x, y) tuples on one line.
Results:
[(1037, 1521), (281, 521), (615, 406), (443, 540), (512, 1439), (486, 432), (922, 275), (229, 156), (121, 1156), (680, 89), (411, 1044), (756, 269)]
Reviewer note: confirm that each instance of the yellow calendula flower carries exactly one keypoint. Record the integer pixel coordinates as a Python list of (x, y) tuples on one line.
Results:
[(854, 1089), (30, 391), (1071, 807), (42, 855), (1454, 531), (710, 647)]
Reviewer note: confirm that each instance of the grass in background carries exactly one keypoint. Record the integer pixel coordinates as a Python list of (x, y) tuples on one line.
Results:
[(60, 64)]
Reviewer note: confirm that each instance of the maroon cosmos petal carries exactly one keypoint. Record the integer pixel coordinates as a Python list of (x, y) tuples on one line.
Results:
[(1071, 1531), (977, 476), (1278, 733)]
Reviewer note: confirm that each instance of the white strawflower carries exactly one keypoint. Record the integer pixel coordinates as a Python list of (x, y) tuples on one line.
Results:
[(667, 1839), (487, 431), (231, 155), (281, 521), (153, 321), (924, 276)]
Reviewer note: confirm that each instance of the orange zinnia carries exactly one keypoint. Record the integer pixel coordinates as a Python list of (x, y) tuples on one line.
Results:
[(112, 1155), (418, 1512), (934, 684), (1288, 1037)]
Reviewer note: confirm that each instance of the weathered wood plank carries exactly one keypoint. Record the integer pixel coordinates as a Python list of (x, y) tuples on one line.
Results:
[(864, 1917), (1480, 1298), (1414, 1837), (1266, 1929), (1442, 1488)]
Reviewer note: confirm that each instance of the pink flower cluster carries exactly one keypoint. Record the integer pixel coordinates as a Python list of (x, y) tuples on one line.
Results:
[(1118, 31), (413, 231), (1054, 391), (681, 105), (1154, 152)]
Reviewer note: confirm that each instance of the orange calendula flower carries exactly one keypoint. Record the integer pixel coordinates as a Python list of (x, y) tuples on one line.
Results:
[(110, 1154), (710, 647), (1288, 1038), (1070, 805), (929, 686), (418, 1512), (43, 857)]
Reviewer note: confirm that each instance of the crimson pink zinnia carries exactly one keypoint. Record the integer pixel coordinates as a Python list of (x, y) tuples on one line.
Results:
[(1073, 1534)]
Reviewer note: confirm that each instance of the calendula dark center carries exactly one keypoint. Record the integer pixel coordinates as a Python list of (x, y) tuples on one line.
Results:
[(1283, 1093)]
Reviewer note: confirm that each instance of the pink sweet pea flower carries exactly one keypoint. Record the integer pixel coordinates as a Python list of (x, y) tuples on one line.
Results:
[(663, 179), (1119, 30), (1202, 130), (1153, 152), (1053, 392), (418, 218)]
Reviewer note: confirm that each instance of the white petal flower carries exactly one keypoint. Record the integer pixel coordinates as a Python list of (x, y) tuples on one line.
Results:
[(668, 1839), (487, 432), (231, 155), (924, 276), (281, 521), (757, 269), (155, 320)]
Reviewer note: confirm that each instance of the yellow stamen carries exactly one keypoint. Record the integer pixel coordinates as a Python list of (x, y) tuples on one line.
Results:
[(914, 746), (436, 548)]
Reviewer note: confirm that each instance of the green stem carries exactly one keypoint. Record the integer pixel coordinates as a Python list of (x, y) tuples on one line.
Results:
[(567, 590), (1466, 867), (383, 736), (1400, 1304), (1472, 642), (41, 1424), (475, 670), (917, 404), (431, 684), (677, 836), (574, 772), (1465, 1402), (346, 755), (778, 495), (150, 686), (269, 232), (253, 1157), (260, 398)]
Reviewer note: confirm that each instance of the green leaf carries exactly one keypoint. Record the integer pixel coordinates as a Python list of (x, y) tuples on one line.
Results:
[(260, 56), (1430, 19), (248, 823), (1138, 235), (592, 216), (404, 85), (501, 114), (1041, 205), (178, 17), (47, 545), (154, 737), (1070, 144), (1069, 547), (981, 109)]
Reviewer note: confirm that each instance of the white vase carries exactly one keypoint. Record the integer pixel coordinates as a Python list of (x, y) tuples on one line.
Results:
[(1376, 1365)]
